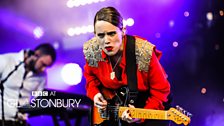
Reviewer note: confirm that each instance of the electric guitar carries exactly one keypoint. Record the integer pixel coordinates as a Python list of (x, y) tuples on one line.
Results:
[(117, 102)]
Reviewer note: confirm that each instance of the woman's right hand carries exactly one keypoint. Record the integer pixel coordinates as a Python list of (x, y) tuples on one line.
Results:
[(99, 101)]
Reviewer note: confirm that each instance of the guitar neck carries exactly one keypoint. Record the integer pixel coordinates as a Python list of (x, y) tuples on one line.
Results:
[(145, 113)]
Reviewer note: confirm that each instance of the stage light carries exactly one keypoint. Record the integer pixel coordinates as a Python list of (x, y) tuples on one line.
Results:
[(71, 74), (175, 44), (203, 90), (56, 45), (221, 13), (77, 3), (130, 22), (186, 14), (83, 2), (77, 31), (84, 29), (171, 23), (209, 16), (70, 4), (38, 32), (71, 31), (157, 35), (80, 30), (89, 1), (90, 28), (95, 1)]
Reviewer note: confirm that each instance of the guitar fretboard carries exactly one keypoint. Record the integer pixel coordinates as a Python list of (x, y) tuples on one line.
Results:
[(145, 113)]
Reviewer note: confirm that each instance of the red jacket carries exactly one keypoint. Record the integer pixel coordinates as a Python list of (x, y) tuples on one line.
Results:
[(153, 79)]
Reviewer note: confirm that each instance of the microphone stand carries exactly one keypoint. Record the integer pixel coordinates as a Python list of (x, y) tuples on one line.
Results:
[(2, 90)]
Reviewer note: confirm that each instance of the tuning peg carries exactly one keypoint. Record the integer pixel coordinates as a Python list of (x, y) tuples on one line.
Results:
[(189, 114), (179, 109)]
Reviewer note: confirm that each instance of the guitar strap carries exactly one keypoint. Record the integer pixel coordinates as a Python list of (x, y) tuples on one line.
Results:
[(131, 69)]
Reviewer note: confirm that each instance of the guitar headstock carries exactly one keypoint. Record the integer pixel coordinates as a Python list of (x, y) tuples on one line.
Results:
[(179, 116)]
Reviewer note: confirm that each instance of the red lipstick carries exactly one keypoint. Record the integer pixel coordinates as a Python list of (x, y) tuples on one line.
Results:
[(109, 48)]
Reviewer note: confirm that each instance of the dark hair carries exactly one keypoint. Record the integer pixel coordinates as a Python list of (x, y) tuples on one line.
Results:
[(47, 49), (111, 15)]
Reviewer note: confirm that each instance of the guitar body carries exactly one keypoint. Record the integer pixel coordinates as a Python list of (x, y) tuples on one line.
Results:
[(117, 104), (96, 118), (114, 100)]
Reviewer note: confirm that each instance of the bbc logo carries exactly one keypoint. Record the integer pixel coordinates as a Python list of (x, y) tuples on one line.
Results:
[(39, 93)]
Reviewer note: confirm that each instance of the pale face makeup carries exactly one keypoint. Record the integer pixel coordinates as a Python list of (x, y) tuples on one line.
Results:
[(109, 36)]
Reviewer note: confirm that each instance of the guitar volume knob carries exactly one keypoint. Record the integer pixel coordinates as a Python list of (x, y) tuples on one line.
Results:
[(132, 101)]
